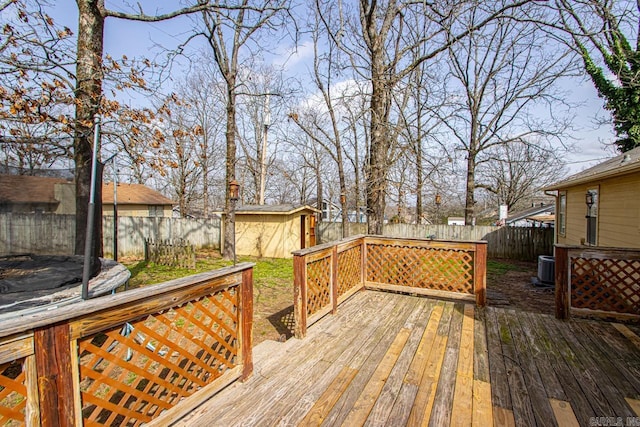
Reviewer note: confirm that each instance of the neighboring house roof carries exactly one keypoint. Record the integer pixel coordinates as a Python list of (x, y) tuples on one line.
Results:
[(532, 212), (619, 165), (286, 209), (28, 189), (40, 189), (133, 194)]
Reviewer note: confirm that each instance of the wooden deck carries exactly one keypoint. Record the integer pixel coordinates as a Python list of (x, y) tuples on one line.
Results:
[(390, 359)]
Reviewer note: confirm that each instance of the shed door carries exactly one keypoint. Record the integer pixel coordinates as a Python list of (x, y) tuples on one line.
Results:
[(303, 236)]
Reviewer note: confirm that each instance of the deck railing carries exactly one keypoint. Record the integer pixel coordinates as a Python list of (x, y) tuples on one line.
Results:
[(597, 281), (326, 275), (142, 356)]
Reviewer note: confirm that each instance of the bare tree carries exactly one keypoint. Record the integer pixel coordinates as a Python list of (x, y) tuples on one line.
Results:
[(504, 71), (377, 45), (229, 33), (518, 170)]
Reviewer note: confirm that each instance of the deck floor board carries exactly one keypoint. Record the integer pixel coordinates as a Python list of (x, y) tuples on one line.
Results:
[(387, 359)]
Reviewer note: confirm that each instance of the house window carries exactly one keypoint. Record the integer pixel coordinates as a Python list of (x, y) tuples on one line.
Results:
[(592, 217), (156, 210), (562, 213)]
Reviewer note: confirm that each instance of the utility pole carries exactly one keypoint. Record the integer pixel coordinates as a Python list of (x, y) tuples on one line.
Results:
[(263, 156)]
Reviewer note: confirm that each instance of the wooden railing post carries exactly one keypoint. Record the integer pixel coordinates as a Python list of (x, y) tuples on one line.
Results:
[(246, 289), (334, 280), (364, 261), (562, 282), (55, 380), (300, 296), (480, 274)]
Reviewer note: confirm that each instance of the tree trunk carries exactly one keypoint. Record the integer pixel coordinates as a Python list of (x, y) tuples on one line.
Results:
[(469, 206), (229, 220), (378, 152), (88, 95)]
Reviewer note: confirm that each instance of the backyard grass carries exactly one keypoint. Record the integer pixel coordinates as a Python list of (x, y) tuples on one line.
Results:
[(272, 288)]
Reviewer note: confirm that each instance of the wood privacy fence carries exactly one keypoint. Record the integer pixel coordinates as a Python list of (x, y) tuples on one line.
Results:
[(326, 275), (597, 281), (144, 355), (174, 253), (519, 243), (55, 234)]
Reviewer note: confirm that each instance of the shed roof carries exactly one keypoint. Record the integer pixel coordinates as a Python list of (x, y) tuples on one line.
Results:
[(624, 163), (28, 189)]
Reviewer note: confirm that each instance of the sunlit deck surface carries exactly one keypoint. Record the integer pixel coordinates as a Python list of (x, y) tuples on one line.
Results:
[(390, 359)]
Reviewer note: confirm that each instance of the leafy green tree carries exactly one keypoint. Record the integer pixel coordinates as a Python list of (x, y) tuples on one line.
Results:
[(605, 34)]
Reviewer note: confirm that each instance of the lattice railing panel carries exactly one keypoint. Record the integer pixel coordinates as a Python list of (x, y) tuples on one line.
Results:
[(13, 394), (318, 284), (349, 269), (427, 268), (130, 374), (606, 284)]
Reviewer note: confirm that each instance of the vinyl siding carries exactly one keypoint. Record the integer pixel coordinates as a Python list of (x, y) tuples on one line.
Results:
[(618, 212)]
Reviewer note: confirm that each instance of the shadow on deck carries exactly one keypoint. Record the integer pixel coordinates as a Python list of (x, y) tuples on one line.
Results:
[(390, 359)]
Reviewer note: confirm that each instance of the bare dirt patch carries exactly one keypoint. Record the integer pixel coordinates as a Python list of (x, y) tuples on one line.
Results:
[(509, 285)]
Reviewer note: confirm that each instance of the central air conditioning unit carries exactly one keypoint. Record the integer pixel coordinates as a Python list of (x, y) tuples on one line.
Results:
[(546, 269)]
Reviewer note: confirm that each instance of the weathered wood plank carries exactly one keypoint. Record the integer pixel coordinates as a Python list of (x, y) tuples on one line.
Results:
[(616, 364), (300, 296), (368, 361), (500, 394), (53, 364), (418, 364), (442, 405), (365, 340), (362, 407), (535, 384), (564, 415), (520, 400), (481, 369), (17, 347), (423, 404), (245, 334), (503, 417), (539, 351), (462, 412), (561, 360), (482, 406), (595, 382), (32, 409), (236, 400), (286, 391), (635, 405), (325, 403), (631, 336), (379, 415), (406, 395), (480, 274)]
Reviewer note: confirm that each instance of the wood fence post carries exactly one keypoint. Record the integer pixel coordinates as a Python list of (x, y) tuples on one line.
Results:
[(55, 376), (562, 282), (334, 279), (300, 296), (480, 274), (364, 261), (246, 289)]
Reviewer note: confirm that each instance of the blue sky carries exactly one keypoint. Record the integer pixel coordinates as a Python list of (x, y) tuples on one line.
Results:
[(136, 39)]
